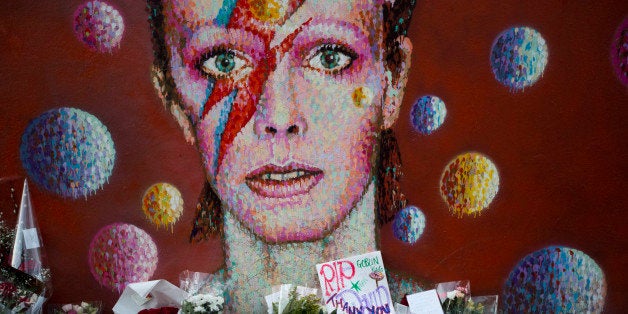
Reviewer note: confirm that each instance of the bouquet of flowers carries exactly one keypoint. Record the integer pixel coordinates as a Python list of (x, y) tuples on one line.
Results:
[(203, 303), (205, 293), (454, 296), (24, 276), (91, 307), (19, 291), (289, 299)]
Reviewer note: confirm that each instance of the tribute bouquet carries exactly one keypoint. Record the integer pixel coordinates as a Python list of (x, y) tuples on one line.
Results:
[(205, 295), (203, 303)]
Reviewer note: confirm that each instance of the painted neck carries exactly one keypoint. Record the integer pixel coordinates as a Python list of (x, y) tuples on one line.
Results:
[(254, 266)]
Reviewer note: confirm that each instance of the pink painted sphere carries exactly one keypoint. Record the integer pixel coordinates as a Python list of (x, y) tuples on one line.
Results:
[(98, 25), (120, 254)]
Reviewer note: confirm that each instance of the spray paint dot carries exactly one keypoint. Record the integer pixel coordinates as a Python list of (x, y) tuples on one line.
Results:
[(120, 254), (428, 114), (555, 280), (409, 224), (98, 25), (162, 204), (68, 151), (619, 52), (518, 57), (362, 97), (266, 10), (469, 184)]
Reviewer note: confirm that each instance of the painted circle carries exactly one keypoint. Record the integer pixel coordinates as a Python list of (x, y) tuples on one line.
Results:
[(555, 280), (469, 184), (120, 254), (68, 151), (518, 57), (428, 114), (98, 25), (619, 52), (409, 224), (162, 204)]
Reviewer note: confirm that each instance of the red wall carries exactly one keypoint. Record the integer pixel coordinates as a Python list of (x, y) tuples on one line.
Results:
[(560, 146)]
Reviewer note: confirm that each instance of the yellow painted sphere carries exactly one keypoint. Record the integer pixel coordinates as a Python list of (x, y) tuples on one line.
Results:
[(469, 184), (162, 204)]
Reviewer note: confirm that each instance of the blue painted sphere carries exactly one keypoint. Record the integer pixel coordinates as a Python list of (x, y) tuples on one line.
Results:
[(428, 114), (68, 151), (518, 57), (409, 224), (555, 279)]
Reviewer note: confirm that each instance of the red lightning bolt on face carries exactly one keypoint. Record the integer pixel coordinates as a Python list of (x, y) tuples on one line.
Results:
[(250, 89)]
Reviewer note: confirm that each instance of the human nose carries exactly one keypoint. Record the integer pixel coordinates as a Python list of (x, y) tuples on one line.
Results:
[(278, 112)]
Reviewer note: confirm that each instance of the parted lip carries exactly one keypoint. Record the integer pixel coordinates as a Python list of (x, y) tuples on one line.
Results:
[(283, 181)]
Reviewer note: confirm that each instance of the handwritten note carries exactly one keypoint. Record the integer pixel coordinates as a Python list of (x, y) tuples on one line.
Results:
[(425, 302), (31, 239), (355, 284)]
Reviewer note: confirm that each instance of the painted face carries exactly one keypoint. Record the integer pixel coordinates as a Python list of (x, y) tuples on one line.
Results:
[(285, 101)]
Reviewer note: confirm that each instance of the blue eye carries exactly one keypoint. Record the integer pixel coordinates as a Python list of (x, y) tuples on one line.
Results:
[(225, 63), (331, 58)]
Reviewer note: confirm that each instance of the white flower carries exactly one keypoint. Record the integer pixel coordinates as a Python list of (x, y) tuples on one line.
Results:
[(451, 295), (77, 308), (67, 307), (195, 298), (84, 304), (204, 302)]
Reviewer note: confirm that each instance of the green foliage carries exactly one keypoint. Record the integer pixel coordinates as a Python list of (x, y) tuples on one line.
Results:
[(309, 304), (454, 306), (7, 237), (474, 308)]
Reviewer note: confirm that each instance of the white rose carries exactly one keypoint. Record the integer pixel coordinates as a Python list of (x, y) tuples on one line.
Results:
[(84, 304), (67, 307), (451, 295)]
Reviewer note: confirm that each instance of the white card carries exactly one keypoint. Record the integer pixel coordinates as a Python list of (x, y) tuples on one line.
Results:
[(31, 240), (402, 309), (425, 302)]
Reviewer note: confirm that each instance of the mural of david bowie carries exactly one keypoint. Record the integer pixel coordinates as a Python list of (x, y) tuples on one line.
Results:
[(290, 104)]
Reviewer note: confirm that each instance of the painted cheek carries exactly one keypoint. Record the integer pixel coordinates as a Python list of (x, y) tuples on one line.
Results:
[(191, 89)]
